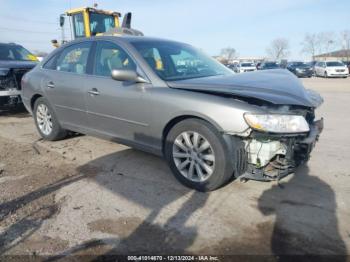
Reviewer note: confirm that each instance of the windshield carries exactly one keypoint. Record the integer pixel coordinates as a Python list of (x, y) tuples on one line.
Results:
[(176, 61), (16, 53), (271, 65), (335, 64), (300, 64), (247, 64), (100, 23)]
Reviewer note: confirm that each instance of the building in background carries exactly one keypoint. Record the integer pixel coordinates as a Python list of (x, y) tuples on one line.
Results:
[(343, 55), (254, 59)]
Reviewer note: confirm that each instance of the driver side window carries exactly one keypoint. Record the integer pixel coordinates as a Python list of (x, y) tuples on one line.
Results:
[(110, 56)]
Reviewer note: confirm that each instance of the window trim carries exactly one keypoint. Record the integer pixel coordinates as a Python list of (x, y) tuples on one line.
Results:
[(52, 57)]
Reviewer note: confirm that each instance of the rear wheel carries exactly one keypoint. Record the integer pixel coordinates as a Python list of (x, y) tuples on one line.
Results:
[(46, 121), (198, 155)]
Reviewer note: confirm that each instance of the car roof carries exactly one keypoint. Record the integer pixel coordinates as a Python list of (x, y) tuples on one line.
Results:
[(126, 38), (10, 44)]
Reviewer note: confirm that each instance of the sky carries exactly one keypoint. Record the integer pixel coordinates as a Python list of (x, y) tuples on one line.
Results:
[(249, 26)]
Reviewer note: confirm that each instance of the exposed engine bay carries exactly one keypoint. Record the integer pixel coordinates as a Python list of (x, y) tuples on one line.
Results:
[(268, 154), (272, 156), (10, 86)]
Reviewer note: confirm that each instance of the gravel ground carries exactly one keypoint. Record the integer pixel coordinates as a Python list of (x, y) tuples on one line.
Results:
[(84, 195)]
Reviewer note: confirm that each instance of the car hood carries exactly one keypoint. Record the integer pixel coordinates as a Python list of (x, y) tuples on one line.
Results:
[(303, 67), (17, 64), (336, 67), (278, 87)]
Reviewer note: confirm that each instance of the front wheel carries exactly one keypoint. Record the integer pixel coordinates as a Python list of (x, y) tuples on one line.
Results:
[(325, 74), (46, 121), (198, 155)]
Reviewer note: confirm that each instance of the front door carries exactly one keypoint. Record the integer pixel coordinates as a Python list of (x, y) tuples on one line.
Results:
[(115, 108)]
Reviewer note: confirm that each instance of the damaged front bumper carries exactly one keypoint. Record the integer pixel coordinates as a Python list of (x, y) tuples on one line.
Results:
[(271, 157), (10, 86), (10, 92)]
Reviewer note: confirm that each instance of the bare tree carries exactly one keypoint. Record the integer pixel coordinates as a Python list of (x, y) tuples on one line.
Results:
[(279, 49), (326, 41), (310, 45), (345, 43), (228, 53)]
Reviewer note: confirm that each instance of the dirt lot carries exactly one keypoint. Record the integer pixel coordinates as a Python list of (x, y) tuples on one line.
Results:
[(87, 196)]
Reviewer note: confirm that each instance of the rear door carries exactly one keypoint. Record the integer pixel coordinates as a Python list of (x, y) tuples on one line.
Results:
[(65, 87), (115, 108)]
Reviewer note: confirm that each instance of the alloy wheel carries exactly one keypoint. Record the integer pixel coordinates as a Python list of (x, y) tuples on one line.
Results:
[(193, 156), (44, 119)]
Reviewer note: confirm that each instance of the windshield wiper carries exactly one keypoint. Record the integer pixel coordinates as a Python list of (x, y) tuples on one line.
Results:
[(192, 77)]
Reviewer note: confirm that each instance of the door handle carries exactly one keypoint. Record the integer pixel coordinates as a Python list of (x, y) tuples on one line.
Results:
[(94, 91), (50, 84)]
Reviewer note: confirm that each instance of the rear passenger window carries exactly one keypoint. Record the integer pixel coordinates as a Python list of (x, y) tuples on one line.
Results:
[(74, 58), (110, 56)]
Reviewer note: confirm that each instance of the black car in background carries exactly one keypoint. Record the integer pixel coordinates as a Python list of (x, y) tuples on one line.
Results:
[(312, 65), (300, 69), (15, 61), (232, 66), (268, 65)]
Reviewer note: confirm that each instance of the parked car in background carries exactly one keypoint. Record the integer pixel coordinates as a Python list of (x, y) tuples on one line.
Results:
[(15, 61), (312, 65), (300, 69), (283, 64), (348, 65), (245, 67), (268, 65), (331, 69), (232, 67), (211, 125)]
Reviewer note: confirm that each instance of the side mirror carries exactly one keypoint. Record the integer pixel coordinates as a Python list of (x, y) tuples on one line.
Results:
[(127, 75)]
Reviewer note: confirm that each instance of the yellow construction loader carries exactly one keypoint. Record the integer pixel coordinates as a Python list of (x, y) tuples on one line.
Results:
[(88, 21)]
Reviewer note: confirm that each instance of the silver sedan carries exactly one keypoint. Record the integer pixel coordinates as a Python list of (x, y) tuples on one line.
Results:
[(170, 99)]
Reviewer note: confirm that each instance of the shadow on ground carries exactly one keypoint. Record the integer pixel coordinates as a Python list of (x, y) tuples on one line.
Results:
[(141, 187), (18, 111), (306, 220), (304, 210), (29, 223)]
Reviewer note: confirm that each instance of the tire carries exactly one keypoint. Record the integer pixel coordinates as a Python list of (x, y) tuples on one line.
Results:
[(54, 131), (222, 167), (325, 75)]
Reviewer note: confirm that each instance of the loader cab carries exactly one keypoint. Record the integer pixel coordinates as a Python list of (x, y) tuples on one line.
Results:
[(88, 21)]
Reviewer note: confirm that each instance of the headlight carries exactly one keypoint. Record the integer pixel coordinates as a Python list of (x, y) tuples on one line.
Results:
[(4, 71), (276, 123)]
